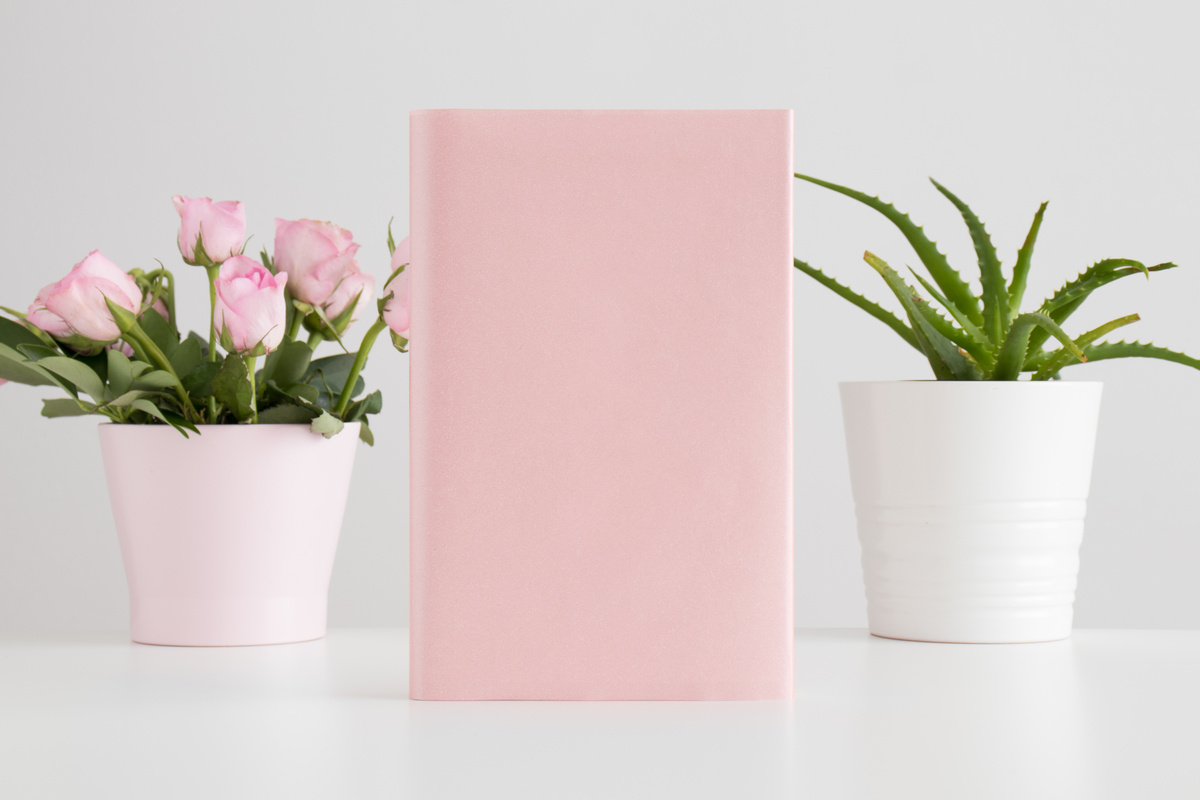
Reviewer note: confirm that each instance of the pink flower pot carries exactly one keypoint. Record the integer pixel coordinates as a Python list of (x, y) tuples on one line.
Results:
[(228, 538)]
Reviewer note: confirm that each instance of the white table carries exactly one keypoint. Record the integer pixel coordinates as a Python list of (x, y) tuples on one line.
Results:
[(1107, 714)]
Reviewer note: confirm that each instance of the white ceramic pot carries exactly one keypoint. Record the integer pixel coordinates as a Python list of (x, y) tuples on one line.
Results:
[(970, 499), (228, 537)]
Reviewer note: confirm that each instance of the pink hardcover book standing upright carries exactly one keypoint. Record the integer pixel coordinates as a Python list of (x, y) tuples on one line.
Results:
[(601, 400)]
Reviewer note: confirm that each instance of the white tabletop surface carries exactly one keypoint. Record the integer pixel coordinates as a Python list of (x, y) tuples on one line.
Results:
[(1106, 714)]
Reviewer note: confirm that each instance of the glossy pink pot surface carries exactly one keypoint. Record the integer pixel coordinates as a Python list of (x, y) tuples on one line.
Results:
[(228, 537)]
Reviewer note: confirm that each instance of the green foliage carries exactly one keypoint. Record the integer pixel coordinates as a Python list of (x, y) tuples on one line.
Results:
[(987, 336), (189, 382)]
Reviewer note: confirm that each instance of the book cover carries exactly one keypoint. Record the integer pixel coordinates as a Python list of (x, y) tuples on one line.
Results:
[(601, 405)]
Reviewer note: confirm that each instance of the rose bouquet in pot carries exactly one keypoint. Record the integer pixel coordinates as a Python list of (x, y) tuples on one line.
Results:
[(245, 567), (971, 490), (111, 339)]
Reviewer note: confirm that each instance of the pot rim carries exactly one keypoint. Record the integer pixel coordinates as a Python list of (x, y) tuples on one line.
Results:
[(915, 381), (351, 428)]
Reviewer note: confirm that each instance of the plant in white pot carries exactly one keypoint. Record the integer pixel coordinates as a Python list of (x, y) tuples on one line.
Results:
[(208, 565), (970, 490)]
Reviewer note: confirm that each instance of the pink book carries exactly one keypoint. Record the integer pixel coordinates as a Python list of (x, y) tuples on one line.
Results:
[(601, 400)]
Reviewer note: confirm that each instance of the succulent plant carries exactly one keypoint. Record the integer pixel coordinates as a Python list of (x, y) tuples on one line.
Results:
[(988, 337)]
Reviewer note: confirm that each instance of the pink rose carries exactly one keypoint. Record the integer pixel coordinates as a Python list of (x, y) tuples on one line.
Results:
[(315, 256), (354, 283), (222, 227), (250, 309), (75, 308), (396, 310)]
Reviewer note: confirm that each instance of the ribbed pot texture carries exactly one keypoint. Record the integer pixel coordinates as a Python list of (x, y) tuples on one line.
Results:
[(228, 538), (970, 498)]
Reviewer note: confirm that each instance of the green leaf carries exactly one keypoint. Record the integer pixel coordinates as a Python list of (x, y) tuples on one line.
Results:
[(1016, 292), (187, 356), (391, 242), (327, 425), (286, 414), (120, 372), (66, 407), (329, 375), (160, 332), (265, 258), (991, 276), (231, 386), (1102, 351), (874, 309), (288, 364), (18, 369), (970, 338), (947, 361), (303, 391), (1063, 303), (1013, 352), (951, 283), (36, 352), (126, 399), (14, 334), (364, 433), (203, 341), (1061, 358), (371, 404), (174, 420), (401, 343), (155, 379), (78, 373), (198, 383)]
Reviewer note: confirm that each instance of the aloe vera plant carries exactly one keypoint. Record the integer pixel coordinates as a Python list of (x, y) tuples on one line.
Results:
[(987, 336)]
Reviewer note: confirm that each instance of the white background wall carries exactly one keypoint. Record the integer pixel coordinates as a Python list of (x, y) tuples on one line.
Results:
[(300, 109)]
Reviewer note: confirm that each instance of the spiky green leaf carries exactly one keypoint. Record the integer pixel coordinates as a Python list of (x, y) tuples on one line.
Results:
[(950, 282), (874, 309), (1102, 351), (1012, 353), (991, 277), (968, 336), (947, 361), (1016, 292), (1063, 303), (1056, 360)]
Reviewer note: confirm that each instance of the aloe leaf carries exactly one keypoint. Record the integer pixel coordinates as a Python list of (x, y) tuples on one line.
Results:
[(943, 274), (970, 338), (1101, 351), (1058, 359), (1016, 292), (991, 276), (1012, 353), (1063, 303), (947, 361), (874, 309)]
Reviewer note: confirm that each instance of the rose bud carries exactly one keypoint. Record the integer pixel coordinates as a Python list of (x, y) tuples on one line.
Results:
[(219, 227), (315, 256), (250, 311), (396, 307), (73, 310), (354, 283)]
